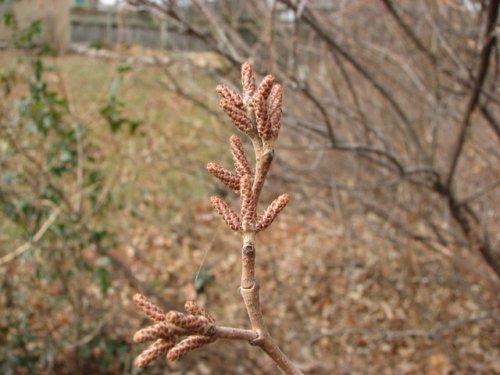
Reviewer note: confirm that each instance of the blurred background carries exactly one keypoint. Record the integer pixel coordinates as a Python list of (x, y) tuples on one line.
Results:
[(386, 260)]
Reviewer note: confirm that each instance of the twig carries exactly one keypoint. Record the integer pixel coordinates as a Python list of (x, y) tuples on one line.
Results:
[(36, 238), (257, 113), (483, 191), (430, 334), (482, 69)]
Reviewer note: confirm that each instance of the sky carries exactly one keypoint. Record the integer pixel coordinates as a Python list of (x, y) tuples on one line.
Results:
[(110, 2)]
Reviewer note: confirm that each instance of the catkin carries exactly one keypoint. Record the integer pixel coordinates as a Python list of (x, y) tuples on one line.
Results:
[(187, 345), (272, 212), (149, 308), (227, 214)]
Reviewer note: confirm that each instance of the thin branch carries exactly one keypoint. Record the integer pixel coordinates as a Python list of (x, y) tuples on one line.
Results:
[(490, 119), (408, 31), (231, 333), (36, 238), (433, 333), (481, 192), (482, 69), (314, 23)]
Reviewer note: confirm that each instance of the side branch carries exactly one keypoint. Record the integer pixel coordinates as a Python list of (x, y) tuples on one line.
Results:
[(231, 333)]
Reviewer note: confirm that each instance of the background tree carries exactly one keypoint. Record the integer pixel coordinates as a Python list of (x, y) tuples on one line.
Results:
[(396, 105), (389, 146)]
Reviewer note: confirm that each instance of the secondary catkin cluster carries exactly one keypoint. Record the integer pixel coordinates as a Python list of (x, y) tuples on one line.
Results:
[(193, 329)]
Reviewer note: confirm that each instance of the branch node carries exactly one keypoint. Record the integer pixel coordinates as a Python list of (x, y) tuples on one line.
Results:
[(248, 251), (259, 339)]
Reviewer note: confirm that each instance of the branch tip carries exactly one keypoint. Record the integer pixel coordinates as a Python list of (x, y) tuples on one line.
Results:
[(228, 178), (237, 116), (149, 308), (241, 164), (247, 81), (248, 204), (272, 211), (227, 214), (228, 94)]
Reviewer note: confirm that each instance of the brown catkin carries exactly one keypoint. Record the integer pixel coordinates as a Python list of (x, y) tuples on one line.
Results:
[(247, 203), (187, 345), (149, 308), (241, 164), (189, 323), (160, 330), (266, 86), (230, 179), (193, 308), (263, 169), (159, 348), (275, 109), (259, 103), (237, 116), (247, 81), (226, 93), (227, 214), (272, 211), (262, 117), (174, 317)]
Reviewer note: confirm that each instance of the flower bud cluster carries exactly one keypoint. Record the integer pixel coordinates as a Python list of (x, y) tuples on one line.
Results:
[(257, 113), (194, 328)]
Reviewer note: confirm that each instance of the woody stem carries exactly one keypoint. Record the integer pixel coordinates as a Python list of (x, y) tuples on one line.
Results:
[(249, 288), (250, 292)]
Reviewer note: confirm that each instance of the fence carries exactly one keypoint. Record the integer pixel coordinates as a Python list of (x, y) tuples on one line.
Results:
[(53, 14), (110, 27)]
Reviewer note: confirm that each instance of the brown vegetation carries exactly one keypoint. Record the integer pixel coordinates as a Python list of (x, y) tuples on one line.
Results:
[(385, 259)]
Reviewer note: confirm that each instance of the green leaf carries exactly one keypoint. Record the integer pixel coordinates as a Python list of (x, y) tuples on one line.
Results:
[(9, 19), (202, 279), (104, 279), (124, 68)]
